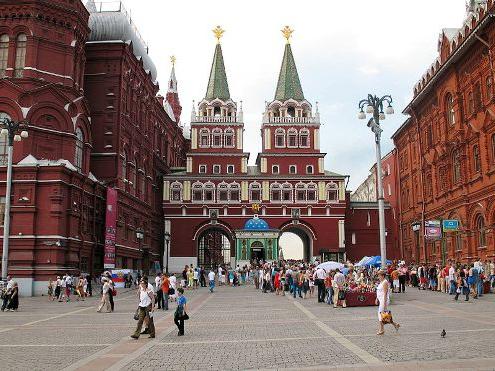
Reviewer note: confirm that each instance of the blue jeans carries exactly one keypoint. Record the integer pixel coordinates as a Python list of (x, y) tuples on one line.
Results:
[(329, 295), (480, 287), (296, 289), (212, 285), (453, 287)]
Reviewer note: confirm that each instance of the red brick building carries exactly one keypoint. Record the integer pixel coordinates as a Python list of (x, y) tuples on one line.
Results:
[(446, 149), (85, 84)]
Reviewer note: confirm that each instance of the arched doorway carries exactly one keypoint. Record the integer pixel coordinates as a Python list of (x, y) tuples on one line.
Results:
[(214, 248), (295, 244), (258, 251)]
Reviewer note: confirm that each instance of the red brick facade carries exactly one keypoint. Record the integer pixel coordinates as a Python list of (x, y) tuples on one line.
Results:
[(94, 121), (446, 149)]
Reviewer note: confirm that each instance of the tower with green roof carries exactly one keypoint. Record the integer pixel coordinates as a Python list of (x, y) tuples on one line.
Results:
[(217, 126)]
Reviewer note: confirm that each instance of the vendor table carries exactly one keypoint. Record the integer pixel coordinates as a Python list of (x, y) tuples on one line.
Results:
[(360, 299)]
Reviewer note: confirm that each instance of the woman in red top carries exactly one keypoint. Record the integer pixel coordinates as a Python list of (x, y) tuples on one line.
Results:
[(329, 288), (276, 282)]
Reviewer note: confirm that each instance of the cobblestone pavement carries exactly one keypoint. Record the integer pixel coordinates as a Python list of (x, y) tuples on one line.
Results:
[(241, 328)]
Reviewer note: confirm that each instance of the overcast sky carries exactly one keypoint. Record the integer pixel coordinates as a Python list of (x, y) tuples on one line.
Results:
[(343, 50)]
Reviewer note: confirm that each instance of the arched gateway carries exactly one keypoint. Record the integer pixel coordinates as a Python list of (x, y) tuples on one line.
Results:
[(289, 188)]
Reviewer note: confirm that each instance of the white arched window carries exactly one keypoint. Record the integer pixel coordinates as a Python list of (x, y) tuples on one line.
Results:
[(204, 138), (228, 140), (209, 192), (280, 138), (304, 138), (276, 192), (332, 192), (300, 192), (309, 169), (216, 138), (197, 192), (234, 192), (176, 192), (292, 138), (312, 195), (79, 155), (287, 192), (4, 54), (255, 192), (20, 55), (223, 192)]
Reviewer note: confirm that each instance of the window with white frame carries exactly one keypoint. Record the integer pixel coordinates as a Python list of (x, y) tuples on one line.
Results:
[(276, 192), (332, 192), (202, 169), (311, 194), (275, 169), (230, 169), (292, 138), (229, 138), (216, 140), (217, 169), (304, 138), (223, 192), (197, 192), (204, 138), (209, 192), (292, 169), (235, 193), (280, 138), (309, 169), (287, 192), (255, 192), (79, 155), (300, 192), (176, 192)]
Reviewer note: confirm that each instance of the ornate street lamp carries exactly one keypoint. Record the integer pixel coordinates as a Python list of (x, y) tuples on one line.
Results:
[(374, 106), (167, 238), (140, 238), (13, 133)]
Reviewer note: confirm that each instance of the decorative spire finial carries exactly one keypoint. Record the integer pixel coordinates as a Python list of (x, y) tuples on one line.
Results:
[(218, 32), (287, 32), (173, 60)]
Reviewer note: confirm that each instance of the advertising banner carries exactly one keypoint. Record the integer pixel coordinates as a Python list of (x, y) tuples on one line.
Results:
[(118, 276), (433, 233), (110, 229)]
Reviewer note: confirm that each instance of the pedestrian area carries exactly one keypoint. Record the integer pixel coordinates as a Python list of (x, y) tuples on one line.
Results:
[(241, 328)]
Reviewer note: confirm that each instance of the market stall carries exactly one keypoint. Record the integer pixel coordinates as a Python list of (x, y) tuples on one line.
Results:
[(360, 299)]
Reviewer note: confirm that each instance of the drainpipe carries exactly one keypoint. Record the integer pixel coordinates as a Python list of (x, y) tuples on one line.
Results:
[(423, 205)]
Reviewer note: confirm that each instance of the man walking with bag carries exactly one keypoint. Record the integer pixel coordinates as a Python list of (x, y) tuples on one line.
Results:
[(319, 278)]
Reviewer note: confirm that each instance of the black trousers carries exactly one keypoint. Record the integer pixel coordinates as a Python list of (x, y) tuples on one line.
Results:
[(110, 296), (402, 283), (5, 302), (321, 290), (202, 281), (180, 324), (159, 296)]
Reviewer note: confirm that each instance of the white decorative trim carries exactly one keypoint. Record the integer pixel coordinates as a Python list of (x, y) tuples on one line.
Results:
[(48, 73)]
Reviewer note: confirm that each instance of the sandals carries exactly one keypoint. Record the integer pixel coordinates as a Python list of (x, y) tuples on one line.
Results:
[(397, 326), (380, 332)]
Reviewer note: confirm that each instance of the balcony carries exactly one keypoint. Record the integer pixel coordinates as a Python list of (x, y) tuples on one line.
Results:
[(291, 120), (217, 119)]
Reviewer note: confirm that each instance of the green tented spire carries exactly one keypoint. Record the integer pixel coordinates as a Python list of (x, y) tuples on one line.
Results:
[(289, 86), (218, 87)]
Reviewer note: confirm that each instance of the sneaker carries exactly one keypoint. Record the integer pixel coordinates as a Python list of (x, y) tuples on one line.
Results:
[(151, 337), (145, 332), (135, 337)]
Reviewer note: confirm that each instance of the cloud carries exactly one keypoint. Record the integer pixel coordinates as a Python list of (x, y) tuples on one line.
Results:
[(368, 70)]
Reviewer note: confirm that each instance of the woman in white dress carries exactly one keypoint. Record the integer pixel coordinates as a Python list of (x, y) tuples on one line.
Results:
[(383, 301)]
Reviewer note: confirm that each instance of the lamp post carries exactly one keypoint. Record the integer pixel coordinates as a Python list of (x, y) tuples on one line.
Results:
[(167, 245), (374, 106), (140, 237), (10, 131)]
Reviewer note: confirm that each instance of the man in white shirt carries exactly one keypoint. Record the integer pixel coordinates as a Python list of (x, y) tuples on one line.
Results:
[(319, 278), (338, 285), (145, 309), (211, 279), (196, 278), (452, 285)]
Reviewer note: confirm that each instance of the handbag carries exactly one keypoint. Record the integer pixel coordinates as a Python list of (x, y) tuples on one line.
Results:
[(136, 315), (386, 316), (114, 291), (341, 295), (184, 317)]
